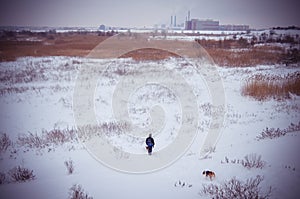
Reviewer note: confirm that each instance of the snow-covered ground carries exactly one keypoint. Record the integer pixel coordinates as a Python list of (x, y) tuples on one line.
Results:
[(38, 95)]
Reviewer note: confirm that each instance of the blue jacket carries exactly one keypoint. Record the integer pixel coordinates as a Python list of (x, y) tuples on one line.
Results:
[(150, 142)]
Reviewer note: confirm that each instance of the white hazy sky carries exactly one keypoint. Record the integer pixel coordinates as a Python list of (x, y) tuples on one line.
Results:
[(140, 13)]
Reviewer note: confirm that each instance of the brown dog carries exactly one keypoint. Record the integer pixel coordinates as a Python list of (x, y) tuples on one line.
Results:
[(209, 174)]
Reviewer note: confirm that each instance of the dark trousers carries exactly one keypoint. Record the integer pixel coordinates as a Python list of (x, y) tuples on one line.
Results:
[(149, 148)]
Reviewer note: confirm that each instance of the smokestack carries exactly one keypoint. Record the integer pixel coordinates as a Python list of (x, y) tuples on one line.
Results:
[(175, 21), (171, 20), (189, 15)]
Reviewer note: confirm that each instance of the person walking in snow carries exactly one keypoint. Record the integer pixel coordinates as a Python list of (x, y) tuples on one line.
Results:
[(150, 144)]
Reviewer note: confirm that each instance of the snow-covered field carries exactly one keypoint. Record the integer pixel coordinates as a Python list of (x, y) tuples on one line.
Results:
[(37, 96)]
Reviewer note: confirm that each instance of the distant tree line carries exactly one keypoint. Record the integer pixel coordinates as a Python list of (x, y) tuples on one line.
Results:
[(286, 28), (241, 42), (50, 34), (225, 43)]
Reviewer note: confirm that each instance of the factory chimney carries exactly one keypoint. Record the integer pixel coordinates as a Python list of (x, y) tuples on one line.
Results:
[(175, 21)]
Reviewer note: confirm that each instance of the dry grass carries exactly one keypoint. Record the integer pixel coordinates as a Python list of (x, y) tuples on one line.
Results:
[(224, 52), (262, 87), (59, 44), (59, 137), (55, 137), (239, 53), (245, 57)]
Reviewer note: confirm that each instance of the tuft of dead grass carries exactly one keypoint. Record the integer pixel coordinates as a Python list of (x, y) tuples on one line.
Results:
[(77, 192), (21, 174), (5, 142), (70, 166), (262, 87)]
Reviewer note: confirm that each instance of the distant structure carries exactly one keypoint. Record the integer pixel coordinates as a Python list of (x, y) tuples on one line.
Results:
[(173, 21), (196, 24), (102, 27), (209, 24), (234, 27)]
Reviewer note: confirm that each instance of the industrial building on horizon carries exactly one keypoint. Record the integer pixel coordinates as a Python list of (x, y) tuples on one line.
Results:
[(189, 24), (209, 24)]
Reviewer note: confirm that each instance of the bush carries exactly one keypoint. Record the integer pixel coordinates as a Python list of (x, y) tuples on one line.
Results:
[(5, 142), (272, 133), (253, 161), (249, 161), (237, 189), (292, 56), (70, 166), (2, 178), (77, 192), (20, 174)]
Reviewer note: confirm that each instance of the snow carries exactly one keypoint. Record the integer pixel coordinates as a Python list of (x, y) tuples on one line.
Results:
[(51, 108)]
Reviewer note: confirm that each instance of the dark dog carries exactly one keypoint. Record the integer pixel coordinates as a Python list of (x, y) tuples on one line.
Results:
[(209, 174)]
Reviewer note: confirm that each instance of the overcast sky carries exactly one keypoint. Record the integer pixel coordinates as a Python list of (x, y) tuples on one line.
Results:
[(140, 13)]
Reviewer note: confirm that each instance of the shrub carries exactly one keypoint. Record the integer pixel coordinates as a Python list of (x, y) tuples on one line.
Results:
[(210, 149), (272, 133), (249, 161), (182, 184), (2, 178), (77, 192), (20, 174), (292, 56), (253, 161), (70, 166), (235, 188), (5, 142)]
